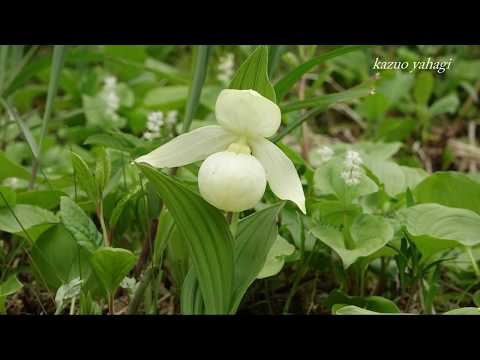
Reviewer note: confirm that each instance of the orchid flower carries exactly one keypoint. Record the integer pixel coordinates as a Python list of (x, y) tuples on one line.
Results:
[(239, 159)]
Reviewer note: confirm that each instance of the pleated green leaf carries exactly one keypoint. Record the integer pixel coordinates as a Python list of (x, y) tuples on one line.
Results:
[(208, 237), (191, 301), (253, 74), (256, 235)]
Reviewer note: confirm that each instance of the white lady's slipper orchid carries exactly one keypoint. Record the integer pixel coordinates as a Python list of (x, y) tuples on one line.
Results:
[(239, 160)]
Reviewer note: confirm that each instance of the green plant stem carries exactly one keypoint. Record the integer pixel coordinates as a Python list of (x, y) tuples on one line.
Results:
[(200, 71), (298, 276), (72, 306), (106, 238), (474, 263), (137, 296), (110, 304)]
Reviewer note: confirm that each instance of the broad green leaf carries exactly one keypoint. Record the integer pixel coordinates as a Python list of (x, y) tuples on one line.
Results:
[(395, 85), (284, 84), (423, 87), (395, 128), (58, 259), (276, 258), (84, 177), (166, 70), (374, 107), (451, 189), (447, 104), (116, 140), (328, 180), (435, 227), (253, 74), (209, 239), (10, 286), (11, 169), (46, 199), (111, 265), (79, 224), (464, 311), (166, 98), (8, 197), (29, 216), (334, 212), (355, 310), (371, 303), (255, 237), (394, 178), (369, 233)]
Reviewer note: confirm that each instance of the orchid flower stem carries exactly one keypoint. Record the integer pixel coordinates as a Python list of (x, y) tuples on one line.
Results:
[(474, 263), (233, 216)]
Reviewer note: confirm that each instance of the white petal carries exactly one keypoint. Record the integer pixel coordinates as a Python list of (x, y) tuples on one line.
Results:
[(190, 147), (247, 113), (231, 181), (281, 173)]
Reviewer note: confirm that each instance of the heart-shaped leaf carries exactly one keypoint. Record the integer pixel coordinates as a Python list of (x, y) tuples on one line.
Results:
[(111, 265), (435, 227), (369, 233), (328, 180), (58, 259), (451, 189)]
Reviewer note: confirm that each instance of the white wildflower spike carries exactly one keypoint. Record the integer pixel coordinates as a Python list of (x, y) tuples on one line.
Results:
[(239, 160), (109, 95), (154, 123), (325, 153), (351, 173), (226, 68), (172, 117), (110, 82)]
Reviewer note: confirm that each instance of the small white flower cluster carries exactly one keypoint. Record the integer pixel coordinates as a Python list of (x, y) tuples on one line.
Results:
[(325, 153), (156, 121), (109, 95), (226, 68), (351, 172)]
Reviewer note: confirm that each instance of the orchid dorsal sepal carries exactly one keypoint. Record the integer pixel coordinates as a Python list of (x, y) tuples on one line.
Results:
[(239, 160)]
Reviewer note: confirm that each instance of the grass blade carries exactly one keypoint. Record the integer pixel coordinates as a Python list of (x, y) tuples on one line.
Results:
[(200, 72), (326, 100), (3, 64), (284, 84), (57, 64)]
